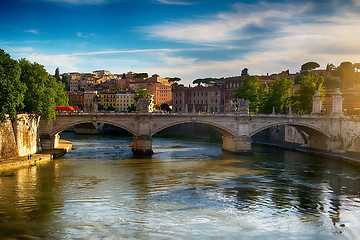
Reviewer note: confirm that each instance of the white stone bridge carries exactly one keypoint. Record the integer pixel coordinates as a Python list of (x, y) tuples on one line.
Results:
[(332, 133)]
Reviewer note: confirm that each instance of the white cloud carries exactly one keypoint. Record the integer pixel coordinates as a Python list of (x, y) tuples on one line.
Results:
[(226, 26), (33, 31), (86, 35), (172, 2)]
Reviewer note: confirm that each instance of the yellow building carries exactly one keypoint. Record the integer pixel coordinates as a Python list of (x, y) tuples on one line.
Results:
[(107, 99)]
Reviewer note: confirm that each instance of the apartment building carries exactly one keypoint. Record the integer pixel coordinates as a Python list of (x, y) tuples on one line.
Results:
[(124, 100), (198, 99)]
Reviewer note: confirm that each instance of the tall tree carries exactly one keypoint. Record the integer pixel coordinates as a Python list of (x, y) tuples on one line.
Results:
[(254, 91), (142, 93), (11, 88), (303, 98), (309, 66), (43, 92), (57, 74), (279, 95)]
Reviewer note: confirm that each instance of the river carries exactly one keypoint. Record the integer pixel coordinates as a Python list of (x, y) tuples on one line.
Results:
[(189, 189)]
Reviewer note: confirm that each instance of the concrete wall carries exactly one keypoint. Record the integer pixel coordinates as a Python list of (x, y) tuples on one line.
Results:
[(19, 138)]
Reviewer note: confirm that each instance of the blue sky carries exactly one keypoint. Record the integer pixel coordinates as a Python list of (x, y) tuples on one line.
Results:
[(185, 38)]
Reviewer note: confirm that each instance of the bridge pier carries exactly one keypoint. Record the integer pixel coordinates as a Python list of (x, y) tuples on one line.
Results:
[(142, 144), (238, 145), (48, 142)]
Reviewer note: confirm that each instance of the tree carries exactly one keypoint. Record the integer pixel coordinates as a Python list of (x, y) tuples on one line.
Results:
[(43, 91), (303, 98), (254, 91), (131, 108), (279, 95), (174, 79), (141, 75), (110, 108), (11, 88), (142, 93), (57, 74), (165, 107), (244, 72), (309, 66)]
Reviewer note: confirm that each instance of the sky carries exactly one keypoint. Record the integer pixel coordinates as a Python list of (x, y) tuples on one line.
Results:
[(189, 39)]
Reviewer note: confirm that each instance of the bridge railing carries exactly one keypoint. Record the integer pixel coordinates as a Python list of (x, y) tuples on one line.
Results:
[(260, 115)]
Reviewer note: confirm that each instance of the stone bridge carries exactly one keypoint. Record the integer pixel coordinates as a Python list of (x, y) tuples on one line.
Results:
[(332, 133)]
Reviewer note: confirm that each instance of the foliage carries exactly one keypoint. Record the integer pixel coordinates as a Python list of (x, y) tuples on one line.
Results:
[(101, 107), (245, 72), (110, 108), (57, 74), (11, 88), (174, 79), (309, 66), (131, 108), (165, 107), (279, 96), (303, 98), (205, 80), (141, 75), (254, 91), (43, 92), (142, 93)]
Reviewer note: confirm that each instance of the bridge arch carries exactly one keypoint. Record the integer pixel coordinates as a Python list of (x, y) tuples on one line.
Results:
[(307, 128), (67, 125), (218, 127)]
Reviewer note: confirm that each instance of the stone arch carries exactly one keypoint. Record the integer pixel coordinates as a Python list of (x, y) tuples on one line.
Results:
[(217, 127), (307, 128), (63, 127)]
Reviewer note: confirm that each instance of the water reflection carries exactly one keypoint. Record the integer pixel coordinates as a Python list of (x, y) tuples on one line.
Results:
[(188, 189)]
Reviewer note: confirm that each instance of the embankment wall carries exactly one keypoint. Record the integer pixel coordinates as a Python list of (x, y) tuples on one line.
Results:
[(19, 138)]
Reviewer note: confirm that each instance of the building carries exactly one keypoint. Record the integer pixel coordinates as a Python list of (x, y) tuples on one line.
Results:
[(90, 101), (76, 99), (107, 98), (198, 99), (124, 100), (74, 80)]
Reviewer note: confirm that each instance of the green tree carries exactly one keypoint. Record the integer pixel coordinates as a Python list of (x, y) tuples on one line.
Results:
[(165, 107), (142, 93), (57, 74), (254, 91), (11, 88), (131, 108), (309, 66), (279, 95), (303, 98), (110, 108), (43, 91)]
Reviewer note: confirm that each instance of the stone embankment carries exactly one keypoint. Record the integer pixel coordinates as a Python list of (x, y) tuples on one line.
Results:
[(347, 156), (20, 145)]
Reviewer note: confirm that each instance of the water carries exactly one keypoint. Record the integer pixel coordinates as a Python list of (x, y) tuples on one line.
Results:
[(189, 189)]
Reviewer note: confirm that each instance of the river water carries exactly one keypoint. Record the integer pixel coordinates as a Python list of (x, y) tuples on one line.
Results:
[(189, 189)]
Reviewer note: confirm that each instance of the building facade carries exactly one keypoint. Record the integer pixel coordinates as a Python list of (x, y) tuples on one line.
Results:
[(198, 99)]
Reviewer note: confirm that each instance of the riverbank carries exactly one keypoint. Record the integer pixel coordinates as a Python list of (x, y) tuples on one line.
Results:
[(38, 158), (347, 156)]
